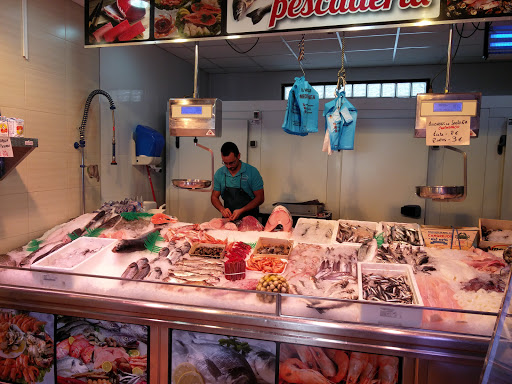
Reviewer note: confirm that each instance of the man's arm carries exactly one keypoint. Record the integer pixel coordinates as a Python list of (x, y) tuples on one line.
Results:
[(226, 212), (259, 198)]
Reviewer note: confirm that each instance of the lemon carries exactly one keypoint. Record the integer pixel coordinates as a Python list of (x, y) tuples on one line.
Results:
[(106, 366), (191, 378), (137, 371), (71, 339), (134, 352), (182, 369)]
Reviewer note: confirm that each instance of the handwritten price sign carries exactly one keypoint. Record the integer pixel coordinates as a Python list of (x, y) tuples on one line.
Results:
[(448, 130), (5, 147)]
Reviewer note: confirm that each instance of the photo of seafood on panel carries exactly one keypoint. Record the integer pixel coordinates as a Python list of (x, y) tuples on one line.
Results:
[(26, 347), (247, 15), (300, 364), (117, 21), (214, 359), (101, 352), (187, 18)]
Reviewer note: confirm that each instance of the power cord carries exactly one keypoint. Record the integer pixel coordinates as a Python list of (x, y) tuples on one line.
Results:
[(240, 52)]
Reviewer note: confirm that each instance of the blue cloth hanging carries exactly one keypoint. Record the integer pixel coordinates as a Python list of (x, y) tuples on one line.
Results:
[(340, 120), (301, 115)]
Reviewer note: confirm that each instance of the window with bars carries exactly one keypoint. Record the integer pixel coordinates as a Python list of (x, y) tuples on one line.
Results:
[(409, 88)]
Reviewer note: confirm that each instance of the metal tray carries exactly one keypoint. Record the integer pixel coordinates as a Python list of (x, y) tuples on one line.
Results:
[(440, 192), (191, 183)]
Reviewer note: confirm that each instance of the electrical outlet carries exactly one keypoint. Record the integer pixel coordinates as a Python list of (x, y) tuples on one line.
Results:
[(510, 121), (256, 115)]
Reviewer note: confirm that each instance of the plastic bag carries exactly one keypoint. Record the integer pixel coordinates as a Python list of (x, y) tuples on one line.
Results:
[(340, 121), (301, 115)]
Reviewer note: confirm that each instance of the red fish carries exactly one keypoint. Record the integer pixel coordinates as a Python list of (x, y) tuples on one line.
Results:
[(78, 345)]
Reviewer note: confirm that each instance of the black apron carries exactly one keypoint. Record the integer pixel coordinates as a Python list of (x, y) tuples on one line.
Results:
[(236, 198)]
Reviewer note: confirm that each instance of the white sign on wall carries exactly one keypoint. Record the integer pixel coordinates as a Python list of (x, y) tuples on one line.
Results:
[(448, 130)]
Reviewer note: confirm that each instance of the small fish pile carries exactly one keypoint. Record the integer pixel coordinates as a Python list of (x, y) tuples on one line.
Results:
[(336, 263), (388, 289), (399, 232), (401, 253), (126, 205), (196, 272), (354, 233), (503, 236)]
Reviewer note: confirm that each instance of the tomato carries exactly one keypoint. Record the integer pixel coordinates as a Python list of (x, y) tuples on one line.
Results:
[(204, 8), (201, 19)]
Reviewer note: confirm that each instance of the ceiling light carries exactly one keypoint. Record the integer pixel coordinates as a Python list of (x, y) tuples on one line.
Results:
[(500, 39), (233, 37), (179, 41), (423, 23)]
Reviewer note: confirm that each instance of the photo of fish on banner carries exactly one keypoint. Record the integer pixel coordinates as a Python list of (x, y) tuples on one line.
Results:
[(340, 124), (301, 364), (118, 21), (26, 347), (301, 116), (101, 352), (205, 358)]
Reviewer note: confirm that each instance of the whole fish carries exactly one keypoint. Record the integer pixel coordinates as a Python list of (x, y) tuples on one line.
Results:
[(76, 330), (216, 363), (140, 332), (130, 271), (69, 366), (40, 254), (193, 276), (240, 7), (111, 222), (259, 13), (163, 252), (125, 246), (263, 364), (143, 269), (7, 260), (176, 280), (69, 325), (112, 325), (123, 339), (155, 274)]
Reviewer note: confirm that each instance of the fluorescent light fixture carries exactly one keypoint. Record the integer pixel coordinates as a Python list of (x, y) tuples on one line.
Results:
[(424, 22), (500, 39), (179, 41), (498, 45), (233, 37), (501, 36)]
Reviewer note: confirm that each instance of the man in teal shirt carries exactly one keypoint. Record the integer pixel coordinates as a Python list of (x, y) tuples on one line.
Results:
[(239, 184)]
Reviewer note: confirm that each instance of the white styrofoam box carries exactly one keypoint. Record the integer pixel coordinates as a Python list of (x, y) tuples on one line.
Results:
[(72, 255), (414, 226), (404, 315), (315, 231), (374, 226)]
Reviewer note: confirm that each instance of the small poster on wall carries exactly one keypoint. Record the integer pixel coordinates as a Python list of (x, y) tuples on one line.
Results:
[(212, 359), (101, 352), (117, 21), (26, 347)]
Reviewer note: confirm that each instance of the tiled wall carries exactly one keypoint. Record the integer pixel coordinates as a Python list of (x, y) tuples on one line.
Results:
[(48, 91)]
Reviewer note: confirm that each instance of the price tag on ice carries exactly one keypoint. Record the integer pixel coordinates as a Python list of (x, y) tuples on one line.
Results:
[(448, 130), (5, 147)]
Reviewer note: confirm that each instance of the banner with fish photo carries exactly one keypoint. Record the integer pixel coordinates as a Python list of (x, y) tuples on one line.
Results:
[(101, 352), (26, 347), (306, 364), (116, 21), (211, 359)]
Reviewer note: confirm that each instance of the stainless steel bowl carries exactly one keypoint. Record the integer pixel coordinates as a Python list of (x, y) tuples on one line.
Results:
[(191, 183), (440, 192)]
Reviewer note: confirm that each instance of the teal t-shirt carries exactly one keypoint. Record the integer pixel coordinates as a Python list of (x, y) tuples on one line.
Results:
[(248, 177)]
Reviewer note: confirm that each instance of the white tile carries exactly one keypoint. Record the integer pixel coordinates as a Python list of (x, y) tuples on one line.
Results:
[(46, 53), (48, 16), (12, 81), (14, 215), (47, 209), (16, 181), (74, 23), (45, 91), (47, 171), (50, 129)]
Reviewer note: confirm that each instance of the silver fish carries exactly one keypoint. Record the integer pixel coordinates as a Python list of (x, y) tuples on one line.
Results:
[(155, 274), (163, 252), (176, 280), (130, 271), (240, 7), (263, 364), (122, 339), (143, 269), (69, 366), (139, 331)]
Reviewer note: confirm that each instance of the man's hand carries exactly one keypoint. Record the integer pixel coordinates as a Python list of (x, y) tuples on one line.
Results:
[(226, 212), (236, 214)]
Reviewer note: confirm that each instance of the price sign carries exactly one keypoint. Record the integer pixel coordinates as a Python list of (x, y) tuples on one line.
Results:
[(5, 147), (448, 130)]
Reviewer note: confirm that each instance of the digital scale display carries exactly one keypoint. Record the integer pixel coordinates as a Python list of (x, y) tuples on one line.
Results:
[(448, 107), (191, 110)]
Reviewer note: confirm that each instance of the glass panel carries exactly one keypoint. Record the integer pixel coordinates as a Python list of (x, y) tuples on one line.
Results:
[(287, 92), (388, 89), (420, 87), (373, 90), (359, 90), (329, 91), (403, 90), (348, 90), (320, 90)]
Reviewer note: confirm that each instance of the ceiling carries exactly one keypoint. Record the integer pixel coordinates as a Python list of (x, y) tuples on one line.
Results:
[(364, 48)]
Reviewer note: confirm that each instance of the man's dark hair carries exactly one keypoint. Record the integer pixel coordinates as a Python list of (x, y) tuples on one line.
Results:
[(229, 147)]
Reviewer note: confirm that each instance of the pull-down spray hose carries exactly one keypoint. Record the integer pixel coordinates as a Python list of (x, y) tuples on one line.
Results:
[(81, 143)]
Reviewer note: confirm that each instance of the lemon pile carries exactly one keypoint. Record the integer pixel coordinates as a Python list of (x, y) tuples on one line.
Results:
[(186, 373)]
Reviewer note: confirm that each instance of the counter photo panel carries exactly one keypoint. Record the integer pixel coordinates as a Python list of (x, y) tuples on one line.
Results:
[(92, 351), (26, 347), (198, 357)]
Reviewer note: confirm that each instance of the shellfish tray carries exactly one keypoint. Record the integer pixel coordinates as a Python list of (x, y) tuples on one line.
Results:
[(215, 251), (268, 246)]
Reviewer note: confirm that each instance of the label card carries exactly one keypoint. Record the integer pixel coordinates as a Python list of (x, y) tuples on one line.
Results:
[(448, 130), (5, 147)]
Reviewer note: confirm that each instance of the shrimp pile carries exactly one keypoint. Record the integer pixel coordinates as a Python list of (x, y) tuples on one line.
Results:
[(193, 234), (267, 264), (313, 365)]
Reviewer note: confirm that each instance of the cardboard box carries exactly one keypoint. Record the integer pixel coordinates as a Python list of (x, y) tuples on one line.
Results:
[(493, 224), (404, 315), (273, 242), (437, 236)]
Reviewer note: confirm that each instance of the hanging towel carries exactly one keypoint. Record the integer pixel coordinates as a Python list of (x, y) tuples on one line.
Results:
[(301, 115), (340, 121)]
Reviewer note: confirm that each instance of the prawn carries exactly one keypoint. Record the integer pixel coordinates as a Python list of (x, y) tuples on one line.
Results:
[(341, 359), (388, 369), (369, 371), (296, 372), (326, 365), (357, 363), (306, 356)]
